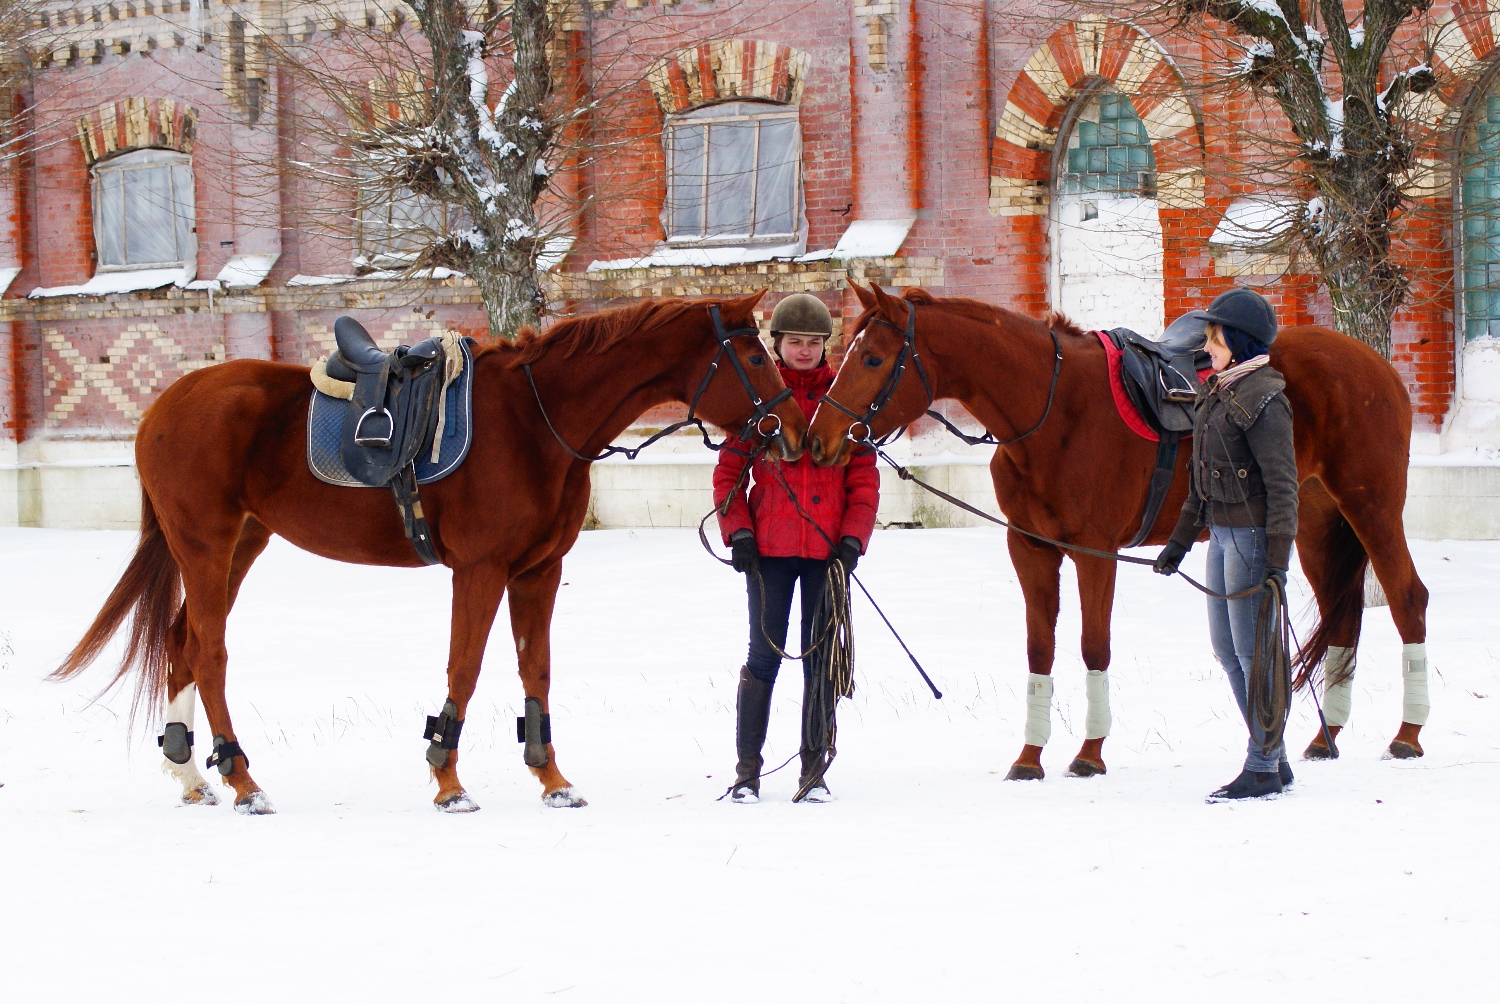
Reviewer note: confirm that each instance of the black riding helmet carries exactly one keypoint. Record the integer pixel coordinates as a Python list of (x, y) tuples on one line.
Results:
[(1240, 308), (801, 314)]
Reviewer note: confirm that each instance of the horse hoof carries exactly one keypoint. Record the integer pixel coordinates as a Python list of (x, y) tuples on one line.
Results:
[(255, 804), (564, 798), (1025, 772), (1400, 750), (201, 795), (460, 802), (1086, 768), (1317, 750)]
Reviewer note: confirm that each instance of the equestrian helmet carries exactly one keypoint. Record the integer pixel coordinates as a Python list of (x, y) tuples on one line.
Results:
[(801, 314), (1247, 310), (1240, 308)]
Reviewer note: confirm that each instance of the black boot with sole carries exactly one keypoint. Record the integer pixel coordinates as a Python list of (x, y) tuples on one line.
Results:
[(752, 715), (817, 735)]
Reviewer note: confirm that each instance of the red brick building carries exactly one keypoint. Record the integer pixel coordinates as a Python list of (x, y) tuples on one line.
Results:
[(784, 144)]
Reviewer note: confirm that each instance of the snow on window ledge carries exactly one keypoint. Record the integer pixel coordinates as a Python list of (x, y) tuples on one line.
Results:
[(132, 281), (862, 239), (1252, 223)]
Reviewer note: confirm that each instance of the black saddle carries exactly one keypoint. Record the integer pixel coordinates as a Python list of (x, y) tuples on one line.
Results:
[(1161, 380), (390, 418), (1161, 377)]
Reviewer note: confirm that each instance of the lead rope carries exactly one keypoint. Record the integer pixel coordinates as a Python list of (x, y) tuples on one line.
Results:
[(1269, 682)]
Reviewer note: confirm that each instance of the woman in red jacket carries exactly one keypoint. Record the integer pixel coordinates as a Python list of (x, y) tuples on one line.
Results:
[(776, 547)]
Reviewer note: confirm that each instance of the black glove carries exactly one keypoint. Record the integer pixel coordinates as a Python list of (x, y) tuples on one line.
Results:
[(1278, 576), (847, 554), (744, 553), (1170, 557)]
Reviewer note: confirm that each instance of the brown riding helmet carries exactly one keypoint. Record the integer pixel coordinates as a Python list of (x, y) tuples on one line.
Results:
[(801, 314)]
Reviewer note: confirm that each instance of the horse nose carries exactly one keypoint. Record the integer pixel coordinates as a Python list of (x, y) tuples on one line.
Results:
[(815, 447)]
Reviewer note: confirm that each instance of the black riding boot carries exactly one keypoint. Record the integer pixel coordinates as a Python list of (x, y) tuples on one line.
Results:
[(817, 731), (752, 715)]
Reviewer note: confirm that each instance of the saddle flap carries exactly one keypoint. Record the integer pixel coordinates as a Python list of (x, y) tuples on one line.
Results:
[(1161, 380)]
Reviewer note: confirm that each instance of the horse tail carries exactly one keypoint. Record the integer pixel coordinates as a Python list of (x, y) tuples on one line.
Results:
[(1344, 605), (150, 593)]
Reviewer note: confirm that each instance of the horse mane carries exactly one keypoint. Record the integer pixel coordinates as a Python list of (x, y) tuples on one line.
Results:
[(590, 334), (978, 310)]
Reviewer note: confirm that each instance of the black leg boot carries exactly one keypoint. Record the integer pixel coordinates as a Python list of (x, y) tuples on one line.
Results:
[(817, 738), (752, 715)]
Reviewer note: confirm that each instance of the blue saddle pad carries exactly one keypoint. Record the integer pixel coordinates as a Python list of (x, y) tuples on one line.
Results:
[(325, 424)]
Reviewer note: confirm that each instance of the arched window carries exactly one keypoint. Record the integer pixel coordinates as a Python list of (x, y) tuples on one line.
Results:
[(1106, 230), (734, 174), (1481, 222), (144, 210)]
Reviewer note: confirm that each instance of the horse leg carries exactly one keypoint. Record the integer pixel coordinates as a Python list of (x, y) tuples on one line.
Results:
[(1096, 594), (176, 740), (532, 595), (477, 590), (1038, 566), (1380, 530), (177, 736), (1332, 558), (206, 564)]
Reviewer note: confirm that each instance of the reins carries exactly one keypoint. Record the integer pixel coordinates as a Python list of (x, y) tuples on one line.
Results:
[(907, 351), (761, 413)]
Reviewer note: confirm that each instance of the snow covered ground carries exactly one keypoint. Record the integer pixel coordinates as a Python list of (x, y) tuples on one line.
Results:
[(931, 878)]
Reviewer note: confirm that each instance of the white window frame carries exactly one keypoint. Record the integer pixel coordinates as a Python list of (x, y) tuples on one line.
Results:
[(725, 112), (183, 207), (376, 229)]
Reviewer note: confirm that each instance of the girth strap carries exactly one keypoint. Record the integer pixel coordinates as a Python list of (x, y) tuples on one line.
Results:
[(413, 521), (1161, 483)]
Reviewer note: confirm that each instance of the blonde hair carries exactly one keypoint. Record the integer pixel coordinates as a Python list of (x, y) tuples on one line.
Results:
[(1214, 331)]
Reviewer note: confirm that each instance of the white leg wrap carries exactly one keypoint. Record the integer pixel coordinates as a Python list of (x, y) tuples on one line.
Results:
[(1338, 698), (1098, 722), (1038, 709), (1414, 704)]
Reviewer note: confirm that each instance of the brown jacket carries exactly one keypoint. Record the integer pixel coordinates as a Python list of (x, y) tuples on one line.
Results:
[(1244, 465)]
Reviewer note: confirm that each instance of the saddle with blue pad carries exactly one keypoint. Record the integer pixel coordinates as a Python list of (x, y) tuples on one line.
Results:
[(1161, 379), (392, 420)]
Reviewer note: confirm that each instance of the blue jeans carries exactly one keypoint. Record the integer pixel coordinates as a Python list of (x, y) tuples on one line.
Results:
[(780, 576), (1237, 561)]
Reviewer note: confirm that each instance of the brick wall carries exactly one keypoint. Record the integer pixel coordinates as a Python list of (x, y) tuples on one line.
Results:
[(900, 114)]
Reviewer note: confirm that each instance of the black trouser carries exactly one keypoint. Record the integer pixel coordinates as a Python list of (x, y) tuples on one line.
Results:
[(780, 575)]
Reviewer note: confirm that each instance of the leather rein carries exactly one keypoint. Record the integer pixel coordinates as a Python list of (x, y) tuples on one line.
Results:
[(898, 370), (762, 408)]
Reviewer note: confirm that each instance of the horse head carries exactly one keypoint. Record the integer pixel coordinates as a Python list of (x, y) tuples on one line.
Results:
[(744, 392), (881, 385)]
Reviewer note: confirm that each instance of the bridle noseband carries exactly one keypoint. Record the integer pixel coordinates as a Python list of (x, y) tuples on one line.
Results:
[(763, 409), (893, 379)]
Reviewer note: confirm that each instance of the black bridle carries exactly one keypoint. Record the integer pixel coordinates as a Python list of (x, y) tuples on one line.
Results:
[(762, 408), (893, 379)]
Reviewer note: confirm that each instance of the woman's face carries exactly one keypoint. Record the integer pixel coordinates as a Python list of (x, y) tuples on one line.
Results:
[(1218, 352), (802, 352)]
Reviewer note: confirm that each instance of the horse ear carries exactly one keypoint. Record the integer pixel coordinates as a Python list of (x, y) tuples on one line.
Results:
[(744, 307), (866, 298), (891, 307)]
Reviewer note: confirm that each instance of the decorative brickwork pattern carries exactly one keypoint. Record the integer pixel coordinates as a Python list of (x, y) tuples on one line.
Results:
[(729, 68), (134, 367), (134, 123)]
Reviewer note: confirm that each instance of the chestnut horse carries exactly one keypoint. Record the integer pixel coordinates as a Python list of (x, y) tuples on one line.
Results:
[(223, 466), (1081, 475)]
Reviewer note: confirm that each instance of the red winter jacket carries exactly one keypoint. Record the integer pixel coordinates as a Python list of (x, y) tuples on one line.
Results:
[(842, 499)]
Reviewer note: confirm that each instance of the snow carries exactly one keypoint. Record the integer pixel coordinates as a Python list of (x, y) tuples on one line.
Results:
[(873, 238), (670, 256), (1252, 222), (930, 878), (8, 276), (243, 271), (121, 282)]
